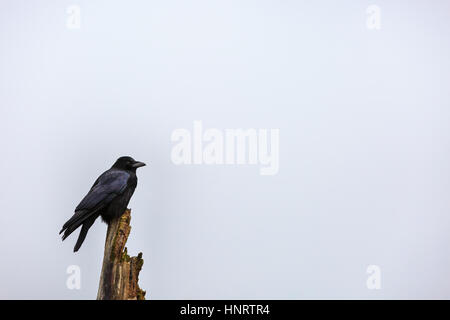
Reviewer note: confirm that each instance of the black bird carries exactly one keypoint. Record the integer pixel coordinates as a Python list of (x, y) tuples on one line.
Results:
[(108, 198)]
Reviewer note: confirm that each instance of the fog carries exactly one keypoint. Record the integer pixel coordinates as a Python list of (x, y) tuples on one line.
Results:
[(363, 168)]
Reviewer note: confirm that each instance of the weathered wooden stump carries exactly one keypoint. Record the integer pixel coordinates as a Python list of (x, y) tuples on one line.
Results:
[(120, 272)]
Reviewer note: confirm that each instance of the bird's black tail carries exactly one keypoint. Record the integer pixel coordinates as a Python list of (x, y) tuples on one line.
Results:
[(84, 230), (79, 218)]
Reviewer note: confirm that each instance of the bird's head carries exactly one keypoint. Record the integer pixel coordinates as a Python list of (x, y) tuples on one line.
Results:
[(127, 163)]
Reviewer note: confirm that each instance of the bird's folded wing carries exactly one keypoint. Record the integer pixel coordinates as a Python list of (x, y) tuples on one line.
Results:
[(106, 188)]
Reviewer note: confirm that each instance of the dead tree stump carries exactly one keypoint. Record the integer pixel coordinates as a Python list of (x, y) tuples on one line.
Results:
[(120, 272)]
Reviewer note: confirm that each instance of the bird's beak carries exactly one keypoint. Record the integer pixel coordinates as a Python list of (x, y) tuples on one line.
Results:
[(138, 164)]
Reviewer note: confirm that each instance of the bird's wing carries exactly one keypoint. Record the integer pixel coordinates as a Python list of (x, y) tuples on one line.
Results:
[(105, 189)]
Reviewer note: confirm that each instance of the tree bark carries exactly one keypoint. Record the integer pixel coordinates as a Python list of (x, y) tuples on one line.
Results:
[(120, 272)]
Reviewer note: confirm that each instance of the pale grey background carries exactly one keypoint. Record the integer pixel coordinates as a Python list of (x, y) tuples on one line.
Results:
[(364, 145)]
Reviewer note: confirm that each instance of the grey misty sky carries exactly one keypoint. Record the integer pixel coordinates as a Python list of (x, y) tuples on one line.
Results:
[(364, 154)]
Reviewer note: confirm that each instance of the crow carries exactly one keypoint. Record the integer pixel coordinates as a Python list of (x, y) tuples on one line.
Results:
[(108, 198)]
